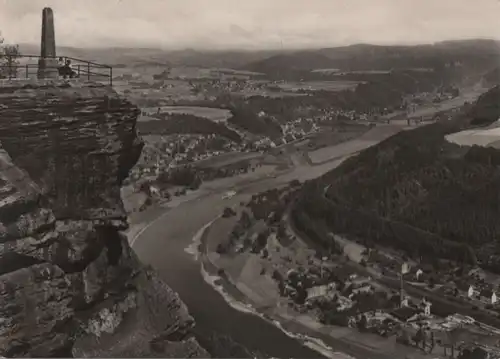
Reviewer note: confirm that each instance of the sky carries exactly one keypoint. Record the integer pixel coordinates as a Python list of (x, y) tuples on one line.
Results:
[(249, 24)]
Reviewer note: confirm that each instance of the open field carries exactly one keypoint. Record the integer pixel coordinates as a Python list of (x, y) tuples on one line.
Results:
[(324, 139), (331, 152), (318, 85), (339, 72), (326, 71), (214, 114), (270, 94), (369, 138), (366, 72), (489, 137), (227, 159), (236, 72), (187, 72)]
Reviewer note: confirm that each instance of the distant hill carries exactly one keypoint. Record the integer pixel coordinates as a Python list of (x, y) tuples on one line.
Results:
[(299, 61), (353, 57), (145, 56), (470, 53), (416, 192), (487, 108)]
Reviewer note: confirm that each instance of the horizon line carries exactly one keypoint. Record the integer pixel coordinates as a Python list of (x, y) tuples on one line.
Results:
[(263, 48)]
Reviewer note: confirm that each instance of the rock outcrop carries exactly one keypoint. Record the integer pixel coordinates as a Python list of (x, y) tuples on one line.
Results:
[(70, 285)]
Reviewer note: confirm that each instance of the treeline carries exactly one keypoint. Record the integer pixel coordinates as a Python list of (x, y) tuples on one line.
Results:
[(169, 124), (492, 78), (315, 230), (372, 229), (487, 108), (246, 118), (185, 176), (417, 192)]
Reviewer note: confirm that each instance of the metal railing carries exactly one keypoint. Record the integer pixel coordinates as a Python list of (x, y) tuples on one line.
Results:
[(26, 66)]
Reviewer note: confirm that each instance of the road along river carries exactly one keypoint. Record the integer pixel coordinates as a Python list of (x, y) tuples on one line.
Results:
[(162, 244)]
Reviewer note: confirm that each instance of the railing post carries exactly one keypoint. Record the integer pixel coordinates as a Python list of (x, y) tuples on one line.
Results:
[(27, 71), (9, 62), (111, 76), (88, 71), (78, 68)]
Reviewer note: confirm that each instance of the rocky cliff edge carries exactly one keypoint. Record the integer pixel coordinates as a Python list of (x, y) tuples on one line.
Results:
[(70, 285)]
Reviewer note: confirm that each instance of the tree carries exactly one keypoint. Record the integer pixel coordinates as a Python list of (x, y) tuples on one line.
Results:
[(363, 323), (9, 63), (228, 212)]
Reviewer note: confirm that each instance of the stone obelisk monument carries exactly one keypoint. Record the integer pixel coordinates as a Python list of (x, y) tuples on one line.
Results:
[(47, 65)]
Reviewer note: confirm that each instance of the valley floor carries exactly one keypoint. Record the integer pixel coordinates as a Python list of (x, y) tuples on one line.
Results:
[(175, 224)]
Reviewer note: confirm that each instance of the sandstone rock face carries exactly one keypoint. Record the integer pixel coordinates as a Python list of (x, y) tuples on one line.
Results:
[(70, 285)]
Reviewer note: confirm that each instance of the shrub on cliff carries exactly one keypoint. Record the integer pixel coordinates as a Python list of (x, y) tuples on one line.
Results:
[(9, 59)]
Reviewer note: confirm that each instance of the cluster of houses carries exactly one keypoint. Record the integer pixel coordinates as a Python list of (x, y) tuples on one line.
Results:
[(169, 152), (229, 84), (485, 295), (455, 336), (475, 288)]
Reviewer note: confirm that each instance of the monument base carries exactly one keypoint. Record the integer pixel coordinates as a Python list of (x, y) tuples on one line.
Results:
[(48, 68)]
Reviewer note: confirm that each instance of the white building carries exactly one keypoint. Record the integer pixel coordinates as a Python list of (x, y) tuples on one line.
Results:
[(404, 302), (471, 292), (320, 291), (427, 306), (419, 273)]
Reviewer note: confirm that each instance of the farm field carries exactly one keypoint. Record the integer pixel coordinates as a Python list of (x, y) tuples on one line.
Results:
[(318, 85), (270, 94), (326, 71), (365, 72), (214, 114), (227, 159), (235, 72)]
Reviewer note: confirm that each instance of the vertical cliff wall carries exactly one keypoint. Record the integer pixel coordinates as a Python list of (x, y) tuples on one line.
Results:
[(69, 283)]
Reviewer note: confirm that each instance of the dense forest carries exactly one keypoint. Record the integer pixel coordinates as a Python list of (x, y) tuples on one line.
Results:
[(417, 192), (169, 124), (246, 118)]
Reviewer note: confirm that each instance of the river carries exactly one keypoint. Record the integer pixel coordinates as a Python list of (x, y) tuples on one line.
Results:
[(162, 244)]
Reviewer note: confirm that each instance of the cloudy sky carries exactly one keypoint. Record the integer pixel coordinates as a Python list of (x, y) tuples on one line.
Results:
[(250, 23)]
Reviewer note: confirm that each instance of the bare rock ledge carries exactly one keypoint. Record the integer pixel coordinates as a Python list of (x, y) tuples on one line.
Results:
[(70, 285)]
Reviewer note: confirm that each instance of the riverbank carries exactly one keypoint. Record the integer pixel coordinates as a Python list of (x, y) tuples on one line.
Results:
[(251, 292), (228, 289)]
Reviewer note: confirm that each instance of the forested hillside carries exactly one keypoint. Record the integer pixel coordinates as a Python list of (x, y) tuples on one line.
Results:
[(417, 192), (169, 124)]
